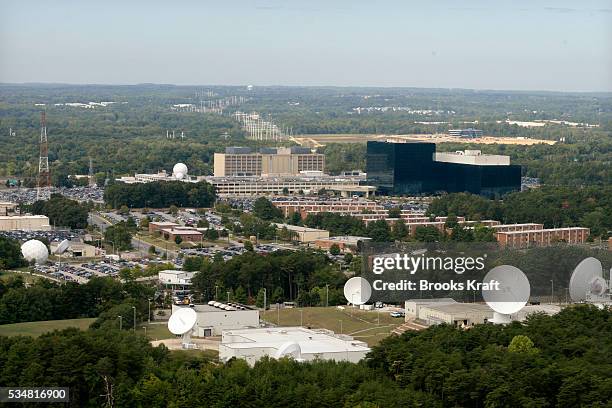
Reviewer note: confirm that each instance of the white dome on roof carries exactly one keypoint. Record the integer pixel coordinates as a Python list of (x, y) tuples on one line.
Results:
[(179, 171), (34, 250)]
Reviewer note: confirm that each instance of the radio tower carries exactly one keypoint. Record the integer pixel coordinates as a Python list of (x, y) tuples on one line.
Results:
[(44, 177)]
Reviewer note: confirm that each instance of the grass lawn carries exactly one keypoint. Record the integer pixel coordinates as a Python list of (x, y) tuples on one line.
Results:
[(155, 331), (27, 277), (362, 325), (35, 329)]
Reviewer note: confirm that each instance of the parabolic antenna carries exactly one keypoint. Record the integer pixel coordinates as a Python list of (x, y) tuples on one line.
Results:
[(587, 278), (510, 295), (357, 291), (34, 250), (289, 349), (62, 247), (182, 321)]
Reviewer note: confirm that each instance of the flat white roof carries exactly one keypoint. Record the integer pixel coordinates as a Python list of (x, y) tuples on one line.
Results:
[(298, 228), (311, 341), (22, 217)]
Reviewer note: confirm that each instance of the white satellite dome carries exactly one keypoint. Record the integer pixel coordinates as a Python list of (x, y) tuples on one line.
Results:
[(179, 171), (34, 250)]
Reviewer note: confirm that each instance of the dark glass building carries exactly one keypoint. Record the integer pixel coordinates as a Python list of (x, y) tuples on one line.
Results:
[(411, 169)]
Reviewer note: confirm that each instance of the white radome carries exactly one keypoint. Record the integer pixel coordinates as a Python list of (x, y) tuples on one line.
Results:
[(34, 250), (180, 171)]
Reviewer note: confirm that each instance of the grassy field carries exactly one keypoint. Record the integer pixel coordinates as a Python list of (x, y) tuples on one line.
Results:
[(362, 325), (35, 329), (155, 331), (27, 277)]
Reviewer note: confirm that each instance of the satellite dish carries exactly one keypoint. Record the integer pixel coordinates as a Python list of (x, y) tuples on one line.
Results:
[(587, 279), (289, 349), (510, 295), (357, 291), (62, 247), (182, 321)]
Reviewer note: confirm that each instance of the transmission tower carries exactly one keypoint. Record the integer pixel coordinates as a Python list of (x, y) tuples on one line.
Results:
[(44, 177)]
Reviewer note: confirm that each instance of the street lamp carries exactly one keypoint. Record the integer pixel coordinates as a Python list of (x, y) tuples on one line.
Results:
[(265, 295), (216, 292), (327, 295), (120, 322), (552, 291), (134, 308), (228, 297)]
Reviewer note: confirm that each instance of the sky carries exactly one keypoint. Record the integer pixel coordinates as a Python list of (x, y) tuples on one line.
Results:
[(557, 45)]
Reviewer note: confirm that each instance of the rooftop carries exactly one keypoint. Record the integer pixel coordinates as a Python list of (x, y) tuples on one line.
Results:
[(311, 341)]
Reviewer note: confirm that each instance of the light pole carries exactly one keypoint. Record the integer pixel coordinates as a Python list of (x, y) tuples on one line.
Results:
[(552, 291), (120, 322), (216, 292), (265, 295), (149, 311), (327, 295), (134, 308), (228, 297)]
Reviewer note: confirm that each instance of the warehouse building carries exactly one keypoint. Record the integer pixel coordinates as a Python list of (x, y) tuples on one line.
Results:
[(344, 242), (456, 314), (160, 225), (299, 343), (24, 223), (175, 279), (304, 234), (215, 317)]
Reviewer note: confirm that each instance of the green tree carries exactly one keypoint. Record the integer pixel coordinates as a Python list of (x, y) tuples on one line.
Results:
[(264, 209), (334, 249), (395, 212), (522, 344), (248, 245)]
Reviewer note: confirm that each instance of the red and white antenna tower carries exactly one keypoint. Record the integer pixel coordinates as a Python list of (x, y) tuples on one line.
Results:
[(44, 176)]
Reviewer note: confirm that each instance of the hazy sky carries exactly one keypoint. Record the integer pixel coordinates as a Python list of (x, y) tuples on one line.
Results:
[(492, 44)]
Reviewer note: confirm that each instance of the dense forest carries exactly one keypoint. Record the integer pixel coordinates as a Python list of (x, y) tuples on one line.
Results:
[(553, 206), (62, 211), (160, 194), (45, 300), (285, 274), (562, 361)]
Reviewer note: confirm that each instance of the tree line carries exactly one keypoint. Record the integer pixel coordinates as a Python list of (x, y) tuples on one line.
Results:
[(160, 194), (559, 361), (552, 206)]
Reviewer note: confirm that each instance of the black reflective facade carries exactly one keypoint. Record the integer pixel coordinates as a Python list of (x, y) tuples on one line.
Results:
[(410, 169)]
